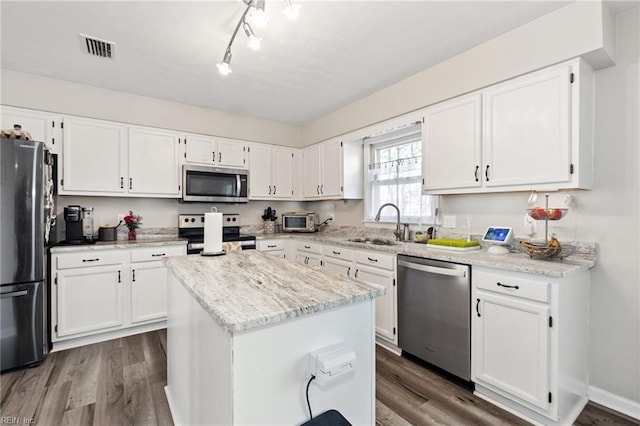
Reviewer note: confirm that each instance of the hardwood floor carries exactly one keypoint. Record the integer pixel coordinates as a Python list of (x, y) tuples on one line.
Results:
[(121, 382)]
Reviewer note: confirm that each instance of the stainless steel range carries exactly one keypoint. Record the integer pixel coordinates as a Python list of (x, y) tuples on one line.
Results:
[(191, 227)]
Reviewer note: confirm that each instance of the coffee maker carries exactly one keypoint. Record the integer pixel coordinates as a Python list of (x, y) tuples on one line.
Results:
[(79, 224)]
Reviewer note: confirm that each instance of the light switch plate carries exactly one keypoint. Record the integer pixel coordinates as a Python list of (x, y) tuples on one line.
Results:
[(448, 221)]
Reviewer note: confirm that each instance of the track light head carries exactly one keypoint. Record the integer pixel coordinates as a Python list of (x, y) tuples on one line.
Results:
[(224, 67), (257, 15), (291, 10), (254, 41)]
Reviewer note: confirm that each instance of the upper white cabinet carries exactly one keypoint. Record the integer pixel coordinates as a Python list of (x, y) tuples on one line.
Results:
[(333, 170), (214, 151), (43, 126), (271, 172), (106, 158), (94, 157), (154, 156), (532, 133), (451, 139)]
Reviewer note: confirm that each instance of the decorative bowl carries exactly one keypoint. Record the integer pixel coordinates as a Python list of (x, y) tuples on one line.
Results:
[(540, 213), (546, 251)]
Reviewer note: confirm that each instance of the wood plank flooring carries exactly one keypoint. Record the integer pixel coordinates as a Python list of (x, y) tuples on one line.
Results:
[(121, 382)]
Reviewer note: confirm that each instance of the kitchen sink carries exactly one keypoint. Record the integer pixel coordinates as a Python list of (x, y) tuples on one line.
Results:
[(375, 241)]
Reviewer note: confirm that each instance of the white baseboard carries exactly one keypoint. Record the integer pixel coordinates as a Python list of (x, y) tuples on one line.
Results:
[(617, 403)]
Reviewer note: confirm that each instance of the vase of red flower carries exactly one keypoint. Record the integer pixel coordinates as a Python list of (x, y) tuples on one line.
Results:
[(133, 222)]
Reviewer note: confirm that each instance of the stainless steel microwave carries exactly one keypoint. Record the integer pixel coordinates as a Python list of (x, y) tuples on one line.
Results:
[(214, 184), (300, 222)]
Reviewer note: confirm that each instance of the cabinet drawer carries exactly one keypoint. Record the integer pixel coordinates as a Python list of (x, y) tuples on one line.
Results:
[(147, 254), (338, 252), (379, 260), (310, 246), (512, 284), (270, 245), (89, 258)]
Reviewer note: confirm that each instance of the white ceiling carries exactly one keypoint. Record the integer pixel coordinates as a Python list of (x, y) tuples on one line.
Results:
[(334, 54)]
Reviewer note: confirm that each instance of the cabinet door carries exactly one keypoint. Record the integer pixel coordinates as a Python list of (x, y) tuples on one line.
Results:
[(89, 299), (385, 305), (309, 259), (148, 291), (260, 185), (200, 149), (282, 173), (154, 162), (338, 266), (510, 346), (94, 157), (451, 144), (232, 153), (331, 173), (311, 170), (526, 125), (42, 126)]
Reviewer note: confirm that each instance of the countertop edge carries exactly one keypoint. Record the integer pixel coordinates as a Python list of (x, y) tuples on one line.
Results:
[(119, 244)]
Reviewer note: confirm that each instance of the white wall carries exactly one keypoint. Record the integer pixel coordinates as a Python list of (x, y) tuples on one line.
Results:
[(47, 94), (609, 214), (579, 29)]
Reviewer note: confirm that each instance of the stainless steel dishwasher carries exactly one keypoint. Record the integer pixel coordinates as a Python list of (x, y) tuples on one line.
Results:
[(434, 313)]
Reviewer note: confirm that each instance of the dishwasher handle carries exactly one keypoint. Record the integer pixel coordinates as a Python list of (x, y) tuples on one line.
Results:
[(433, 269)]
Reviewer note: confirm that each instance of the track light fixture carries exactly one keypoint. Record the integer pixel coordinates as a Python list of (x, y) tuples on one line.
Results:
[(254, 14)]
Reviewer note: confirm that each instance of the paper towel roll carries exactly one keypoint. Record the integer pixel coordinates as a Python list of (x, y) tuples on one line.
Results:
[(212, 233)]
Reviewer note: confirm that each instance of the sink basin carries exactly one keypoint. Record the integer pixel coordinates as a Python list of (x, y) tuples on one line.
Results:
[(375, 241)]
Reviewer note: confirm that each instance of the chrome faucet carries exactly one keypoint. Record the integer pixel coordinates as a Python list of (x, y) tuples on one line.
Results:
[(400, 235)]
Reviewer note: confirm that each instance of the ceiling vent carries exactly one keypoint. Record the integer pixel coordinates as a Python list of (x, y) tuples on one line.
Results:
[(96, 47)]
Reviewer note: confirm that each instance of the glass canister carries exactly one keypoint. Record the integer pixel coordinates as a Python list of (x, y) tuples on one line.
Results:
[(87, 223)]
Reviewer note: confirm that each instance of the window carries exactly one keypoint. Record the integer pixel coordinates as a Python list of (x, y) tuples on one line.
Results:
[(395, 176)]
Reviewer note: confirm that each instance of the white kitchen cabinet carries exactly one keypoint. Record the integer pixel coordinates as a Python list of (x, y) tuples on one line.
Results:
[(100, 294), (113, 159), (88, 298), (342, 267), (378, 268), (333, 170), (215, 151), (154, 156), (537, 134), (271, 172), (43, 126), (272, 247), (94, 157), (451, 144), (309, 253), (529, 342)]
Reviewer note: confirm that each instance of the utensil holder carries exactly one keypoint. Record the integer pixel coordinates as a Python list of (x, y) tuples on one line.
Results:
[(269, 227)]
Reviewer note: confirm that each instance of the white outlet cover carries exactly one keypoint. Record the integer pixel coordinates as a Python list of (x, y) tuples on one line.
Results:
[(448, 221)]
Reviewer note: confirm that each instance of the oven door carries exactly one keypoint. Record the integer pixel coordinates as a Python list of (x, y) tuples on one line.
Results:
[(214, 185)]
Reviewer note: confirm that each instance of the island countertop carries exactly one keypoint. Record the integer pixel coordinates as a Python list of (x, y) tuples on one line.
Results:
[(248, 289)]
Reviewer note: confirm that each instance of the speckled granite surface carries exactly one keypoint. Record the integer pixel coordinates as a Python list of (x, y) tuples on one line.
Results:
[(245, 290), (582, 259), (122, 244)]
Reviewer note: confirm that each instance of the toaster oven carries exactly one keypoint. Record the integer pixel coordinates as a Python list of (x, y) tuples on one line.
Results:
[(300, 222)]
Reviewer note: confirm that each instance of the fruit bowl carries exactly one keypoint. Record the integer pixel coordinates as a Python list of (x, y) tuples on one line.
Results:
[(546, 250), (540, 213)]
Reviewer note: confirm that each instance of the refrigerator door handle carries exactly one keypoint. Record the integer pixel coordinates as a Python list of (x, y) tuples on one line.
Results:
[(14, 294)]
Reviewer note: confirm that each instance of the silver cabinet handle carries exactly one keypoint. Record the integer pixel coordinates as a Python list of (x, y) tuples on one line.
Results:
[(14, 294), (130, 183), (133, 275), (121, 182), (220, 156), (213, 156), (433, 269), (119, 277), (274, 190)]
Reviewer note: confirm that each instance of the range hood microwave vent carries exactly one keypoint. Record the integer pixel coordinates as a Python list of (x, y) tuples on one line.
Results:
[(97, 47)]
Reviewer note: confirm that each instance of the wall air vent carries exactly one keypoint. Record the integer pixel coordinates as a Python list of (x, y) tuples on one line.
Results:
[(97, 47)]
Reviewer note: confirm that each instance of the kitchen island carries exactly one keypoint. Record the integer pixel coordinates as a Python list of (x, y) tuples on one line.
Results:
[(241, 328)]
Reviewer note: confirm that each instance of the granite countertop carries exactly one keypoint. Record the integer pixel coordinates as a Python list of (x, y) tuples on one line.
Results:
[(248, 289), (582, 259), (120, 244)]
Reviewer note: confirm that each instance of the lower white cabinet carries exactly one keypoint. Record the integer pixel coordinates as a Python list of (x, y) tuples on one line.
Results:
[(379, 268), (104, 291), (272, 247), (89, 299), (309, 253), (529, 342)]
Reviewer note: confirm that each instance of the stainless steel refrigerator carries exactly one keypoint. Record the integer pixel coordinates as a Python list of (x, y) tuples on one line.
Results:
[(22, 253)]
